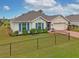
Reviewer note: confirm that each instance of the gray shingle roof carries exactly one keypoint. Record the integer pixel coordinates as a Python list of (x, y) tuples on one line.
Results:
[(28, 17), (49, 18), (73, 18)]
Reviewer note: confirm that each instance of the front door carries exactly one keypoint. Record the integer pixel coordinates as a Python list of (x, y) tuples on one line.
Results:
[(48, 25)]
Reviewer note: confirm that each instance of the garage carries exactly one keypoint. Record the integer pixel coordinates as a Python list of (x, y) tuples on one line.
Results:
[(59, 23), (60, 26)]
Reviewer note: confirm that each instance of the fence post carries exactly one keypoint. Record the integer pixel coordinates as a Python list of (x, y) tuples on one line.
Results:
[(37, 44), (68, 30), (55, 37), (68, 36), (10, 50)]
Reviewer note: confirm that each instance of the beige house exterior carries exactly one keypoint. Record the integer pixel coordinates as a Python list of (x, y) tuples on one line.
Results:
[(32, 25), (59, 23), (34, 20)]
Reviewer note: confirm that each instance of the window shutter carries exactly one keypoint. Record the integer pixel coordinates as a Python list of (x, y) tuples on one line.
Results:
[(42, 25), (36, 25), (27, 26), (19, 27)]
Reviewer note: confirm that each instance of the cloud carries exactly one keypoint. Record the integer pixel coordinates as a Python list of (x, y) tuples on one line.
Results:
[(71, 9), (41, 3), (7, 8), (56, 10), (51, 7)]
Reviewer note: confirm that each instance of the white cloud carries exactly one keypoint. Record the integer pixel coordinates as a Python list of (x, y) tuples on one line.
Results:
[(41, 3), (51, 7), (73, 6), (71, 9), (7, 8)]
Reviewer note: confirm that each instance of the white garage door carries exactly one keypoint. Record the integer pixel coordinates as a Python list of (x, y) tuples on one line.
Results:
[(60, 26)]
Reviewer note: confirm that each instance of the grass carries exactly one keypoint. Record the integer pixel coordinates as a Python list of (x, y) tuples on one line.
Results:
[(46, 42), (75, 28)]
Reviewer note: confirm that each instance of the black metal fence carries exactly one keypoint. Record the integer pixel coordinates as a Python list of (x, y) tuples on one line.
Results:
[(30, 45)]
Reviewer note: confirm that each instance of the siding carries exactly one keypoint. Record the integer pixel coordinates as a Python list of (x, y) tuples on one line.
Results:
[(75, 23), (14, 26), (63, 24), (39, 20)]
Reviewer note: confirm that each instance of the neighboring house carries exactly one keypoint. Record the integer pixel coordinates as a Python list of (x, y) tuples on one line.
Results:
[(74, 19), (36, 20), (1, 22)]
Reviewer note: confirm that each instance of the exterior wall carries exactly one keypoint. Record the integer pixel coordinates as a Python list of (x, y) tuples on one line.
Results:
[(59, 23), (32, 25), (38, 20), (74, 23), (14, 26)]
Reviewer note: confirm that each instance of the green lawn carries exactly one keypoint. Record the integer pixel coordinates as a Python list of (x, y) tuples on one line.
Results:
[(75, 28), (46, 45)]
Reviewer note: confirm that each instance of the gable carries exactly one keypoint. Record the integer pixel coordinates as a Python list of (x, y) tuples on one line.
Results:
[(59, 19), (39, 19)]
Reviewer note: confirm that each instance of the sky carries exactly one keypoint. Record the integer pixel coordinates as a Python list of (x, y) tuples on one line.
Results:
[(14, 8)]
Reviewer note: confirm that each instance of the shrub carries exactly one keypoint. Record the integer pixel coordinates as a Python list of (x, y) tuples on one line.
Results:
[(14, 33), (25, 32), (40, 31), (33, 31), (45, 30)]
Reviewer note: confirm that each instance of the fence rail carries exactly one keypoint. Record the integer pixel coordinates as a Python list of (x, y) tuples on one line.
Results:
[(27, 46)]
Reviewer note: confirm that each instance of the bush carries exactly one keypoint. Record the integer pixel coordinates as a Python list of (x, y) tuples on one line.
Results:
[(45, 30), (25, 32), (40, 31), (36, 31), (14, 33), (33, 31)]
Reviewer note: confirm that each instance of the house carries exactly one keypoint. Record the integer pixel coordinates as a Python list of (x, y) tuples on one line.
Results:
[(36, 20), (74, 19), (57, 22), (31, 20), (1, 22)]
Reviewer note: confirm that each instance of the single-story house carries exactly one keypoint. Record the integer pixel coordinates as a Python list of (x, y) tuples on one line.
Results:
[(36, 20), (74, 19)]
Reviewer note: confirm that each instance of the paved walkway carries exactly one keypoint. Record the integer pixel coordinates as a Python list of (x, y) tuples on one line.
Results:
[(72, 33)]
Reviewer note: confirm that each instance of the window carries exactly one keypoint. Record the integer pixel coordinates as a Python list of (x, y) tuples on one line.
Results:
[(39, 25), (23, 26)]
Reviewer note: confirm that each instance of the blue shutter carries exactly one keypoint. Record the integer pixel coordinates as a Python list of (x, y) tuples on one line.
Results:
[(27, 27), (36, 25), (42, 25), (19, 27)]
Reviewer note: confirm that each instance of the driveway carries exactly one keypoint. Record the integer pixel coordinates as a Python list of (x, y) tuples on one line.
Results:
[(72, 33)]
